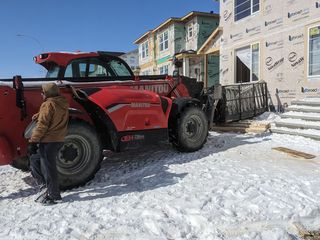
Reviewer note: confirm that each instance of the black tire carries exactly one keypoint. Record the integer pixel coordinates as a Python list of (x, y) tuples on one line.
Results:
[(191, 130), (79, 158)]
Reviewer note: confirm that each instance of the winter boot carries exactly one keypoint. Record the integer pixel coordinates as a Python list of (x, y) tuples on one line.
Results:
[(43, 191), (48, 201)]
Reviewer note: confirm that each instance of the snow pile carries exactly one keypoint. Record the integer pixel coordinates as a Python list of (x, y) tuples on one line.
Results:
[(236, 187), (267, 117)]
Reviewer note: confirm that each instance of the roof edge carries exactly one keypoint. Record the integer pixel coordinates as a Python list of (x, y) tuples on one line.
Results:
[(174, 19), (142, 37), (168, 21)]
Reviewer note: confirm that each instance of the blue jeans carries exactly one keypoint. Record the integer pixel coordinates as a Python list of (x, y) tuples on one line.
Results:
[(44, 169)]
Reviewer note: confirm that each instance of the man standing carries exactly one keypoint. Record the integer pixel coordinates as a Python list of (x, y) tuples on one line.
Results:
[(49, 133)]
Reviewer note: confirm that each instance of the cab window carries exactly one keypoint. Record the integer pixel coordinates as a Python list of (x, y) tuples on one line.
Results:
[(53, 71), (95, 67), (119, 68), (76, 69), (98, 68), (82, 69)]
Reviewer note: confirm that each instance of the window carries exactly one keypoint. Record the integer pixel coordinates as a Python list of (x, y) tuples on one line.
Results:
[(248, 64), (96, 67), (314, 52), (68, 72), (119, 68), (164, 42), (190, 31), (97, 70), (76, 69), (82, 69), (144, 51), (53, 71), (163, 70), (255, 50), (245, 8)]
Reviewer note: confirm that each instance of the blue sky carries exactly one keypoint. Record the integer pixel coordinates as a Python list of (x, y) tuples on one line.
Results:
[(71, 25)]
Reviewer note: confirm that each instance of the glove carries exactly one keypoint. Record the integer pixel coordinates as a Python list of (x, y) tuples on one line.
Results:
[(32, 148)]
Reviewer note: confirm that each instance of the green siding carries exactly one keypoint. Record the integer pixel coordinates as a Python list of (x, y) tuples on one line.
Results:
[(213, 70), (206, 27), (179, 38), (163, 60)]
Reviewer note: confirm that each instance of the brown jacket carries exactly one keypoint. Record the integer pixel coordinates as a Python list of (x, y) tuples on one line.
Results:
[(52, 120)]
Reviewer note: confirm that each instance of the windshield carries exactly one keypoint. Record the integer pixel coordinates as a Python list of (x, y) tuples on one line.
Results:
[(53, 71), (119, 68), (95, 67)]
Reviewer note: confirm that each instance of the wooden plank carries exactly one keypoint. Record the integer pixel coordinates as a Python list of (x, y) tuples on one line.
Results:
[(245, 124), (294, 153), (239, 129), (228, 129)]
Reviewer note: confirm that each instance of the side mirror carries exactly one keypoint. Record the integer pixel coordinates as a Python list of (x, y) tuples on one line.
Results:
[(20, 101)]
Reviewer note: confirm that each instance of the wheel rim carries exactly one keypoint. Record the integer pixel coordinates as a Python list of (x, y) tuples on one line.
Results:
[(193, 128), (73, 155)]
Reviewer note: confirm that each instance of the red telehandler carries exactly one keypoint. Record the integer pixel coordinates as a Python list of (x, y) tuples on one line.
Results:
[(110, 108)]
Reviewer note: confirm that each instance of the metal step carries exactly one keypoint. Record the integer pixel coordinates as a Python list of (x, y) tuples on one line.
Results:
[(296, 132)]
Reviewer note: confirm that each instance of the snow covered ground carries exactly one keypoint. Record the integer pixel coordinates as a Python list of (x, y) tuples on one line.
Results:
[(236, 187)]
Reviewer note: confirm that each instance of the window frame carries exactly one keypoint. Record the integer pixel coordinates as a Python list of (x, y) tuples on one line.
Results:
[(308, 52), (190, 30), (259, 70), (163, 67), (144, 50), (259, 62), (252, 13), (162, 43)]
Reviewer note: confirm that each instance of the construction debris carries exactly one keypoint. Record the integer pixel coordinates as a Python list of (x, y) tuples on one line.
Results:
[(307, 234)]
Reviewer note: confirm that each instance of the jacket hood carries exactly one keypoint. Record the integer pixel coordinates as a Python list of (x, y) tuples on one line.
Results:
[(50, 90)]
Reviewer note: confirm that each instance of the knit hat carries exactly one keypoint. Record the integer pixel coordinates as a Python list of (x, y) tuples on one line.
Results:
[(50, 90)]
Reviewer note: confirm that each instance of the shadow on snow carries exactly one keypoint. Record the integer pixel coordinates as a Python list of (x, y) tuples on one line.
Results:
[(139, 171), (143, 170)]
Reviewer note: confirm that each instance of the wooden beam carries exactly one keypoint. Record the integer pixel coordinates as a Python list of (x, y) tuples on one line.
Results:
[(215, 50), (294, 153)]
